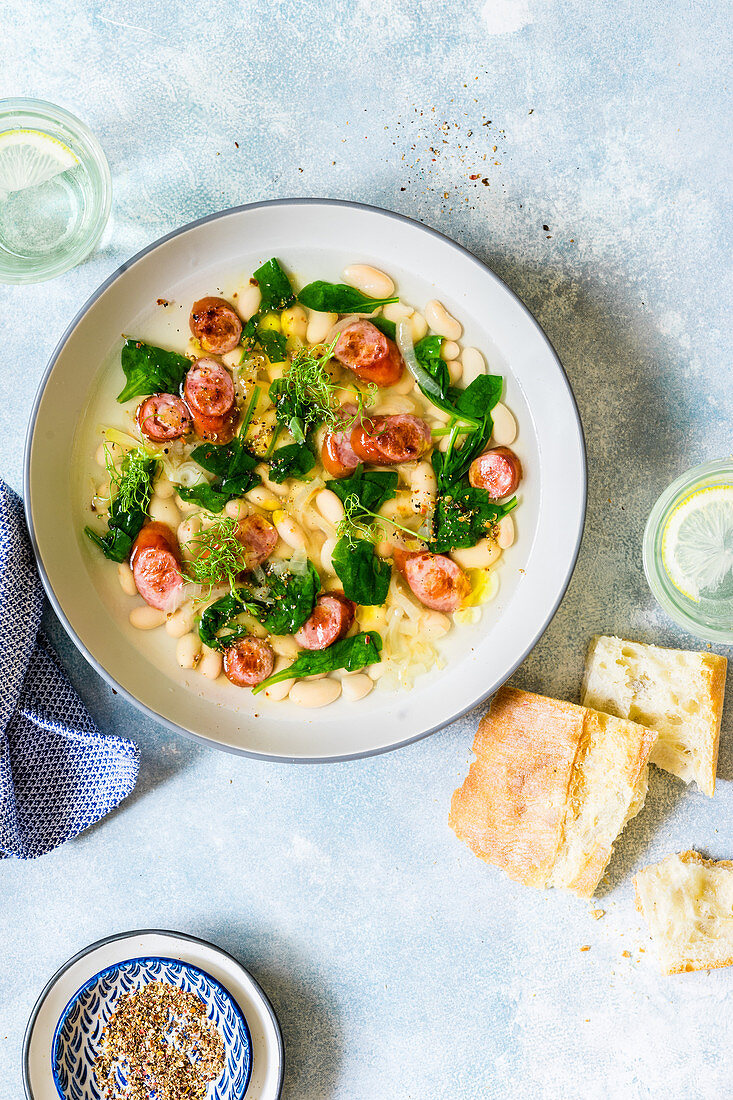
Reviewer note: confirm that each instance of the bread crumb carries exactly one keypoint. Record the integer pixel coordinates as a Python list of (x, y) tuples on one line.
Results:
[(626, 954), (598, 913), (585, 947)]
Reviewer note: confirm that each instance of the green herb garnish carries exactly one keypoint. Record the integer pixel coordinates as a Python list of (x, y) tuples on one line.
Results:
[(350, 653), (218, 555), (132, 484), (282, 605), (305, 396)]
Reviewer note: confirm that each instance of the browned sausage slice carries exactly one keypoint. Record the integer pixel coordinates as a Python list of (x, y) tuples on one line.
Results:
[(155, 566), (248, 662), (216, 429), (163, 417), (209, 390), (435, 579), (337, 454), (389, 440), (331, 618), (258, 537), (215, 325), (369, 354), (498, 471)]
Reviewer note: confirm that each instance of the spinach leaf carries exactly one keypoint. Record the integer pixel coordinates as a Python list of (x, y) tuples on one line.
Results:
[(389, 328), (291, 461), (129, 509), (339, 298), (234, 468), (350, 653), (481, 396), (364, 576), (372, 488), (275, 288), (427, 352), (464, 515), (274, 344), (287, 602), (151, 370), (217, 628)]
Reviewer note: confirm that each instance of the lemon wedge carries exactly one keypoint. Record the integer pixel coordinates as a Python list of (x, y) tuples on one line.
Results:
[(29, 157), (697, 543)]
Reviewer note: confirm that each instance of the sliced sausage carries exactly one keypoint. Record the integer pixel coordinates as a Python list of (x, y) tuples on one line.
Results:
[(332, 616), (498, 471), (389, 440), (209, 390), (163, 417), (258, 537), (216, 429), (155, 564), (369, 354), (337, 454), (215, 325), (437, 581), (248, 662)]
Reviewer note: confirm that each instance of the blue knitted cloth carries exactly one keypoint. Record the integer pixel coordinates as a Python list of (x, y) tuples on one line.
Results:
[(58, 773)]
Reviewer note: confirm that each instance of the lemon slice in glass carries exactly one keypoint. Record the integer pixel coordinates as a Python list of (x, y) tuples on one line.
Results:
[(29, 157), (697, 544)]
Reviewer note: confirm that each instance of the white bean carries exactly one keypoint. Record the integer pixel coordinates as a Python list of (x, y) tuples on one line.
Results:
[(330, 507), (294, 322), (187, 650), (369, 280), (288, 530), (264, 471), (505, 532), (455, 371), (164, 488), (441, 321), (284, 645), (164, 511), (449, 349), (375, 672), (480, 556), (319, 326), (210, 663), (356, 687), (263, 498), (418, 326), (233, 358), (181, 621), (185, 506), (505, 426), (279, 691), (315, 693), (146, 618), (237, 508), (473, 365), (405, 385), (435, 625), (394, 404), (327, 555), (187, 532), (397, 311), (248, 301), (423, 488), (126, 579)]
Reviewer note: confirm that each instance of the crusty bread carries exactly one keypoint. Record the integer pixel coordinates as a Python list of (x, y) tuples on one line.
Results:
[(677, 693), (687, 901), (552, 786)]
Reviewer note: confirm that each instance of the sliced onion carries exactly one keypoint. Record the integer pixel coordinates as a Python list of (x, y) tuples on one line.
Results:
[(425, 381), (299, 563)]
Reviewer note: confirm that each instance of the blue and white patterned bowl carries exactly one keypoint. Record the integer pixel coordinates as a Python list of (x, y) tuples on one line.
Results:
[(77, 1039)]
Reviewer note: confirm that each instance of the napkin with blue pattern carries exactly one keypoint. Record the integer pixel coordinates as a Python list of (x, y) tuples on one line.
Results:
[(58, 773)]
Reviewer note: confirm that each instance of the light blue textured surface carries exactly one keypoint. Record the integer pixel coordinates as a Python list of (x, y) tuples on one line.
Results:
[(399, 965)]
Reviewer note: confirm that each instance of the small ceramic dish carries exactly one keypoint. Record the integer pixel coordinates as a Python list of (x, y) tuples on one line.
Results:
[(63, 1035), (76, 1043)]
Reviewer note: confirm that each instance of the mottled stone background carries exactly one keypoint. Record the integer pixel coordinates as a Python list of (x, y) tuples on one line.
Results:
[(400, 966)]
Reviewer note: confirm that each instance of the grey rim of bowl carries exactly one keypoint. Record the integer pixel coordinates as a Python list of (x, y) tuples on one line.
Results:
[(652, 534), (20, 104), (146, 932), (44, 577)]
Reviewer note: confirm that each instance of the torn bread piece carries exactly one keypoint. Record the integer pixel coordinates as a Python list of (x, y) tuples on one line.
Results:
[(687, 901), (552, 786), (675, 692)]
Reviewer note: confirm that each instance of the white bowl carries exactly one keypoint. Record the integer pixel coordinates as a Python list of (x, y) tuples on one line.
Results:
[(315, 238)]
